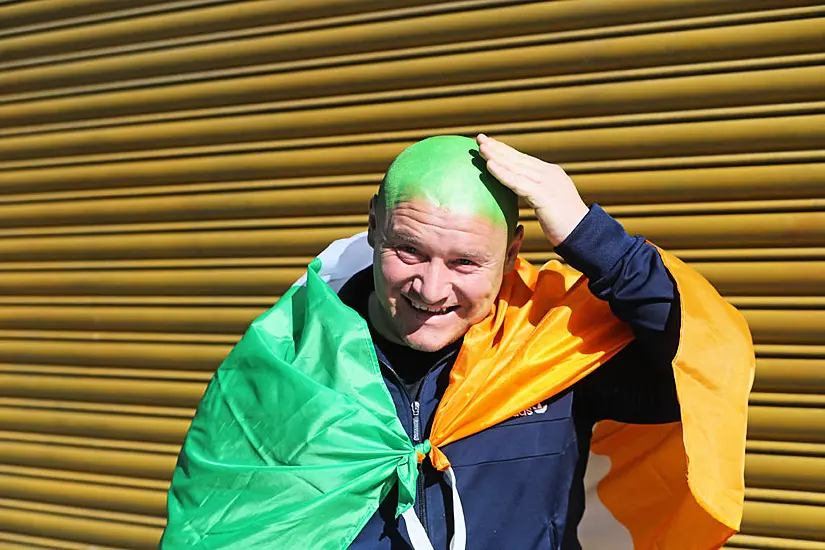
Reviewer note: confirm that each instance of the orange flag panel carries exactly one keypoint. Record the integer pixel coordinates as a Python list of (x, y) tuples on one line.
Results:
[(547, 331)]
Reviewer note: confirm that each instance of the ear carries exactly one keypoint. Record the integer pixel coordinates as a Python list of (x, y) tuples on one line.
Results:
[(513, 250), (372, 228)]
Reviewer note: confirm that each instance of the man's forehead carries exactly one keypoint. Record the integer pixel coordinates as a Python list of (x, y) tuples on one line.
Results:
[(420, 213), (418, 222), (456, 204)]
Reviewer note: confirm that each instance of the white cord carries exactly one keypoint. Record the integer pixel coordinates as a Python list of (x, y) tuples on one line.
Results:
[(419, 538), (459, 541)]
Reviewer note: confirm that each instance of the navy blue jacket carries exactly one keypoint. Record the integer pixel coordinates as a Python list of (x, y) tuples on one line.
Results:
[(521, 481)]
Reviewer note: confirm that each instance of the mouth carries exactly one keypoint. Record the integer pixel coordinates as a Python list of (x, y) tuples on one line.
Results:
[(430, 311)]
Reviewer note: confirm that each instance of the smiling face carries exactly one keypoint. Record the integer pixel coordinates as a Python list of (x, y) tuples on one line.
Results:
[(436, 272), (444, 232)]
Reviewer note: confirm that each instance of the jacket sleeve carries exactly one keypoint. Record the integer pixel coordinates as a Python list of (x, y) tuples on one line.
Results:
[(637, 385)]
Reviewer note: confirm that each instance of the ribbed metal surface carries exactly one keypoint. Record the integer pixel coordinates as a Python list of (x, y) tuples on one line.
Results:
[(168, 167)]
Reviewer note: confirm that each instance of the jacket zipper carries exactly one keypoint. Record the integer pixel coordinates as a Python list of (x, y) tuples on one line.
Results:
[(415, 406), (416, 411)]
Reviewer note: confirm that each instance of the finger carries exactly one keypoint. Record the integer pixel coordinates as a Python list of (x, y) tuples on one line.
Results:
[(511, 158), (514, 181), (499, 148), (530, 172), (515, 162), (503, 158), (499, 151)]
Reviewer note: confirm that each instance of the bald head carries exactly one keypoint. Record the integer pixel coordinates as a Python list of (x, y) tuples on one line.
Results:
[(448, 172)]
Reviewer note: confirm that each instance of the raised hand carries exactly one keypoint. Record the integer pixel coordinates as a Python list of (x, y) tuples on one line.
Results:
[(546, 187)]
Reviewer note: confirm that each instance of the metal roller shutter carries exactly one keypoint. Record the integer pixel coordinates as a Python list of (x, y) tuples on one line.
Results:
[(167, 168)]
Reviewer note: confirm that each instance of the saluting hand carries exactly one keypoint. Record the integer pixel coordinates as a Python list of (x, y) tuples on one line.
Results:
[(546, 187)]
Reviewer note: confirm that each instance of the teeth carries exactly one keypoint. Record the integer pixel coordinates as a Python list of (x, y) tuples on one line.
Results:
[(428, 310)]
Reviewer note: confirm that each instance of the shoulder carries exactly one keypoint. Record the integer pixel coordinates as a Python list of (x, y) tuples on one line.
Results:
[(356, 291)]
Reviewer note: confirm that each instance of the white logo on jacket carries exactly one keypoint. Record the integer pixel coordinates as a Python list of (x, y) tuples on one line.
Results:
[(541, 408)]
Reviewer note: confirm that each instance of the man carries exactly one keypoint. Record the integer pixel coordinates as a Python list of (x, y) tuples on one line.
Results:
[(452, 314)]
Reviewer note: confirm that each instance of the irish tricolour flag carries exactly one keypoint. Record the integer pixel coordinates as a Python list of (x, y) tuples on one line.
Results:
[(297, 442)]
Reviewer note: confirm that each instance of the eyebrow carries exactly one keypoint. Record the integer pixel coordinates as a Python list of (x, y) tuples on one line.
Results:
[(482, 256), (402, 237)]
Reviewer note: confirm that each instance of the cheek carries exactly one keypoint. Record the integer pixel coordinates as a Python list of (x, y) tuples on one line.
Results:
[(394, 274), (481, 292)]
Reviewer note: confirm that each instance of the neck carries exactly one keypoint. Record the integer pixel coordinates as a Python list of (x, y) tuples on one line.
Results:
[(378, 318)]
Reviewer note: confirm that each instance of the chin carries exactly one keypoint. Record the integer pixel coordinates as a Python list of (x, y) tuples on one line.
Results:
[(429, 342)]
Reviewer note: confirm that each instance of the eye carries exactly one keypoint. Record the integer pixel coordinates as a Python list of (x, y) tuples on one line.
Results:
[(465, 262), (408, 249)]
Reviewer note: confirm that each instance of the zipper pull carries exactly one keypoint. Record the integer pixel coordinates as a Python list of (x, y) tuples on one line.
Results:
[(416, 410)]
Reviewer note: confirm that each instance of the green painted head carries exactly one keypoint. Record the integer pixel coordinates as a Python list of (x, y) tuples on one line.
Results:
[(449, 172)]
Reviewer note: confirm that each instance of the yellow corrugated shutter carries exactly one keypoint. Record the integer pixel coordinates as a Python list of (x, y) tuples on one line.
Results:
[(167, 168)]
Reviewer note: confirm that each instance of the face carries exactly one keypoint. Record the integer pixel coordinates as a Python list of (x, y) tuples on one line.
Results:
[(436, 273)]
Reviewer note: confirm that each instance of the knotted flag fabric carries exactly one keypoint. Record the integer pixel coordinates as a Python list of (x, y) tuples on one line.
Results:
[(296, 441)]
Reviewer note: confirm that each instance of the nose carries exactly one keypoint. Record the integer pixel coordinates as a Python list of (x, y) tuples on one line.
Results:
[(433, 284)]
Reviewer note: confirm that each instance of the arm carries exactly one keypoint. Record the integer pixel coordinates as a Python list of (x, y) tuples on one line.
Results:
[(629, 274), (713, 370), (637, 385), (623, 270)]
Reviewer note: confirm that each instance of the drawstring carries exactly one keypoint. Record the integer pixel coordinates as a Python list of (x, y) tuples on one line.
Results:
[(459, 541), (418, 536)]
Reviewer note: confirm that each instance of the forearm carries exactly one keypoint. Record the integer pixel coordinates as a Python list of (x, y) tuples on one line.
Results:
[(624, 270), (629, 274)]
